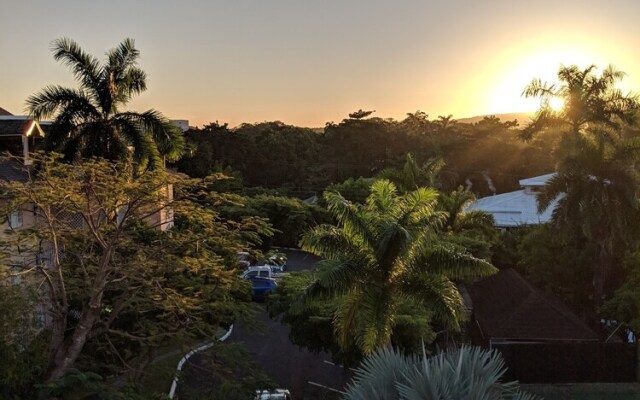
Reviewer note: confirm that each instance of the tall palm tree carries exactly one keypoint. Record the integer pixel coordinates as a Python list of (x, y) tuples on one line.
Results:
[(597, 185), (467, 373), (588, 100), (384, 253), (597, 179), (91, 121)]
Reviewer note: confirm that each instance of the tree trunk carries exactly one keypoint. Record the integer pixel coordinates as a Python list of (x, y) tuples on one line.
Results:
[(67, 354), (58, 326), (599, 276)]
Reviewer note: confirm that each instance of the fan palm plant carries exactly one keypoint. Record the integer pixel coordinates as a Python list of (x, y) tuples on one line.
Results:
[(468, 373), (383, 254), (91, 121)]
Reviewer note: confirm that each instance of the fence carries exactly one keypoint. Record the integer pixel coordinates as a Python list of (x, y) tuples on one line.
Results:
[(569, 362)]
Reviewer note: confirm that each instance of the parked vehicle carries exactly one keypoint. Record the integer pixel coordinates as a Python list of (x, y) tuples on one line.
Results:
[(276, 394), (261, 271), (244, 259), (277, 262), (261, 287)]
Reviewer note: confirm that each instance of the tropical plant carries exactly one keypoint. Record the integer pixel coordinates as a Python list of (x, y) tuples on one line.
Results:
[(468, 373), (383, 253), (116, 286), (412, 175), (90, 121), (459, 220), (473, 229), (596, 184), (588, 100), (596, 187)]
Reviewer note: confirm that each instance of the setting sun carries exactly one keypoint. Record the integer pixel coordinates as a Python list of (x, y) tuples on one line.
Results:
[(556, 103)]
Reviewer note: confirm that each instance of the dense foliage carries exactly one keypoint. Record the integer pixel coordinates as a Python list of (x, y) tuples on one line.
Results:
[(384, 259), (487, 155), (114, 286)]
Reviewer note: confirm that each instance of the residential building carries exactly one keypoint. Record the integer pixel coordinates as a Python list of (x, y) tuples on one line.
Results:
[(518, 208)]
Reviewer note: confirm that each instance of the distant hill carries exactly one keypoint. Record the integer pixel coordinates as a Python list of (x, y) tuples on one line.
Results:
[(523, 118)]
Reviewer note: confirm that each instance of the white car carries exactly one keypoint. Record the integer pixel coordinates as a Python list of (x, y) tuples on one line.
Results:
[(277, 263), (276, 394)]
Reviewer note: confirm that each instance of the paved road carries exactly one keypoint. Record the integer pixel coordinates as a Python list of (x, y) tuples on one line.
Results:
[(308, 376)]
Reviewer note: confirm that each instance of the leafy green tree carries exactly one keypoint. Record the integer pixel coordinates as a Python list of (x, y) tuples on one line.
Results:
[(465, 374), (356, 190), (118, 287), (383, 253), (561, 263), (596, 186), (289, 217), (22, 344), (90, 121)]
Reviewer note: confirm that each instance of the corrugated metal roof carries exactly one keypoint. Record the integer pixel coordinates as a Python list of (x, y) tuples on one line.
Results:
[(536, 180), (517, 208)]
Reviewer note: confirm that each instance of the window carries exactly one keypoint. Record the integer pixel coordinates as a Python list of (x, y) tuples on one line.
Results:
[(15, 219)]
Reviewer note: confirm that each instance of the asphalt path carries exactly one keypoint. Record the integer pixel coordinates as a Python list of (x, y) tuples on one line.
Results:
[(307, 375)]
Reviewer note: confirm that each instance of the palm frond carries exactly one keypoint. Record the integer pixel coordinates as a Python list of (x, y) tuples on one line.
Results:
[(75, 104), (85, 67), (351, 216)]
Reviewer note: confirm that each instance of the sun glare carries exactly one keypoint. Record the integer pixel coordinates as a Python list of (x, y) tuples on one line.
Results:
[(556, 103), (514, 72)]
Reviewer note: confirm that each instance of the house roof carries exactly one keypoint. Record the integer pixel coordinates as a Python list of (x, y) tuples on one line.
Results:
[(19, 126), (4, 112), (13, 170), (517, 208), (536, 180), (508, 307)]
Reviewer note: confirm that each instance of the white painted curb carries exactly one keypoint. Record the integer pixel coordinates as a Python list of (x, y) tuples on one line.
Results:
[(184, 359)]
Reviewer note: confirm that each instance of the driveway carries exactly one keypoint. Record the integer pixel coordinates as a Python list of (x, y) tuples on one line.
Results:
[(307, 375)]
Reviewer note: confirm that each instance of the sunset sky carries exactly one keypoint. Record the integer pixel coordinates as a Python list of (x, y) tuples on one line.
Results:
[(311, 62)]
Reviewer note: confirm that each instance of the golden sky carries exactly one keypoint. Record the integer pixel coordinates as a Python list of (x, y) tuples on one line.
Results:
[(312, 62)]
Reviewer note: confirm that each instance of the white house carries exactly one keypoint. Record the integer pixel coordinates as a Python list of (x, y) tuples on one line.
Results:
[(517, 208)]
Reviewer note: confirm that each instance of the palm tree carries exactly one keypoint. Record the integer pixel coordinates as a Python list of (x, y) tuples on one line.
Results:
[(473, 229), (588, 100), (90, 121), (597, 186), (383, 254), (412, 175), (597, 180), (458, 220), (467, 373)]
